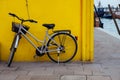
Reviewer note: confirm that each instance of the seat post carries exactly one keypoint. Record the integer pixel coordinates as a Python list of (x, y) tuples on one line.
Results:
[(46, 32)]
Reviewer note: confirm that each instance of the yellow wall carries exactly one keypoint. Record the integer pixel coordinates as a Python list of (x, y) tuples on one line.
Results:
[(76, 15), (87, 31)]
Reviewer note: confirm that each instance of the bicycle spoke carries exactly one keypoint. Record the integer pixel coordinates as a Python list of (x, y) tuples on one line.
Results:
[(59, 39), (63, 40)]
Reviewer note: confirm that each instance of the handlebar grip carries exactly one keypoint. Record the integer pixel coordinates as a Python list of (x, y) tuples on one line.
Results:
[(12, 14), (33, 21)]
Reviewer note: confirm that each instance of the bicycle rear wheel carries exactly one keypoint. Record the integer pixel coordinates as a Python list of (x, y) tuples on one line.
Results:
[(62, 47)]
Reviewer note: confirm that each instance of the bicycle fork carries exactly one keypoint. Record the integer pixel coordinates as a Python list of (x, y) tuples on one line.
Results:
[(17, 41)]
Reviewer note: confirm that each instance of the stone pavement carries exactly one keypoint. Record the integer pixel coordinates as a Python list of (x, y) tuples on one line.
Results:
[(52, 71), (105, 67)]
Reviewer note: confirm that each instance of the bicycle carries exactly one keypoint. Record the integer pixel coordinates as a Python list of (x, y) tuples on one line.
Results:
[(60, 46)]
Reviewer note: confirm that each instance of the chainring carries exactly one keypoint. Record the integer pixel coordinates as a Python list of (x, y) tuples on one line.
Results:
[(38, 53)]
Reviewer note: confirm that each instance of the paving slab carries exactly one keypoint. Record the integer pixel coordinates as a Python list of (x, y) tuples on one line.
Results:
[(14, 72), (101, 73), (73, 77), (85, 72), (92, 67), (45, 77), (23, 77), (8, 77), (42, 72), (99, 78), (64, 72)]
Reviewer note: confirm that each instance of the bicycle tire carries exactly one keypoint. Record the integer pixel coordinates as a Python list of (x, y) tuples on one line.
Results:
[(70, 47), (12, 51)]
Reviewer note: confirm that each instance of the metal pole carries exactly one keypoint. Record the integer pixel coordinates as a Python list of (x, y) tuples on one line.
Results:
[(114, 19), (101, 24)]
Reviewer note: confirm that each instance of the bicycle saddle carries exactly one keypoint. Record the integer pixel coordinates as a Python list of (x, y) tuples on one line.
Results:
[(49, 26)]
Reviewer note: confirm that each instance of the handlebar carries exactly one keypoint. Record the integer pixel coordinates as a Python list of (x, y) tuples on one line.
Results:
[(22, 20)]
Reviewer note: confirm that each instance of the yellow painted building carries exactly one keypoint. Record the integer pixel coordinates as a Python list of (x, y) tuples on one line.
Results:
[(76, 15)]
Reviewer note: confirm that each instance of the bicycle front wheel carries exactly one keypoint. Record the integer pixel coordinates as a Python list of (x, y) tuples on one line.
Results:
[(13, 49), (12, 52), (62, 47)]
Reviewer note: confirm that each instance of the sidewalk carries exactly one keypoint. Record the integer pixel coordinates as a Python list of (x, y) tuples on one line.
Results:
[(105, 67)]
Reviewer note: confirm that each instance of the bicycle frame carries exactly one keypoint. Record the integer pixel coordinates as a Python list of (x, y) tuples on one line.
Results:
[(43, 43)]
